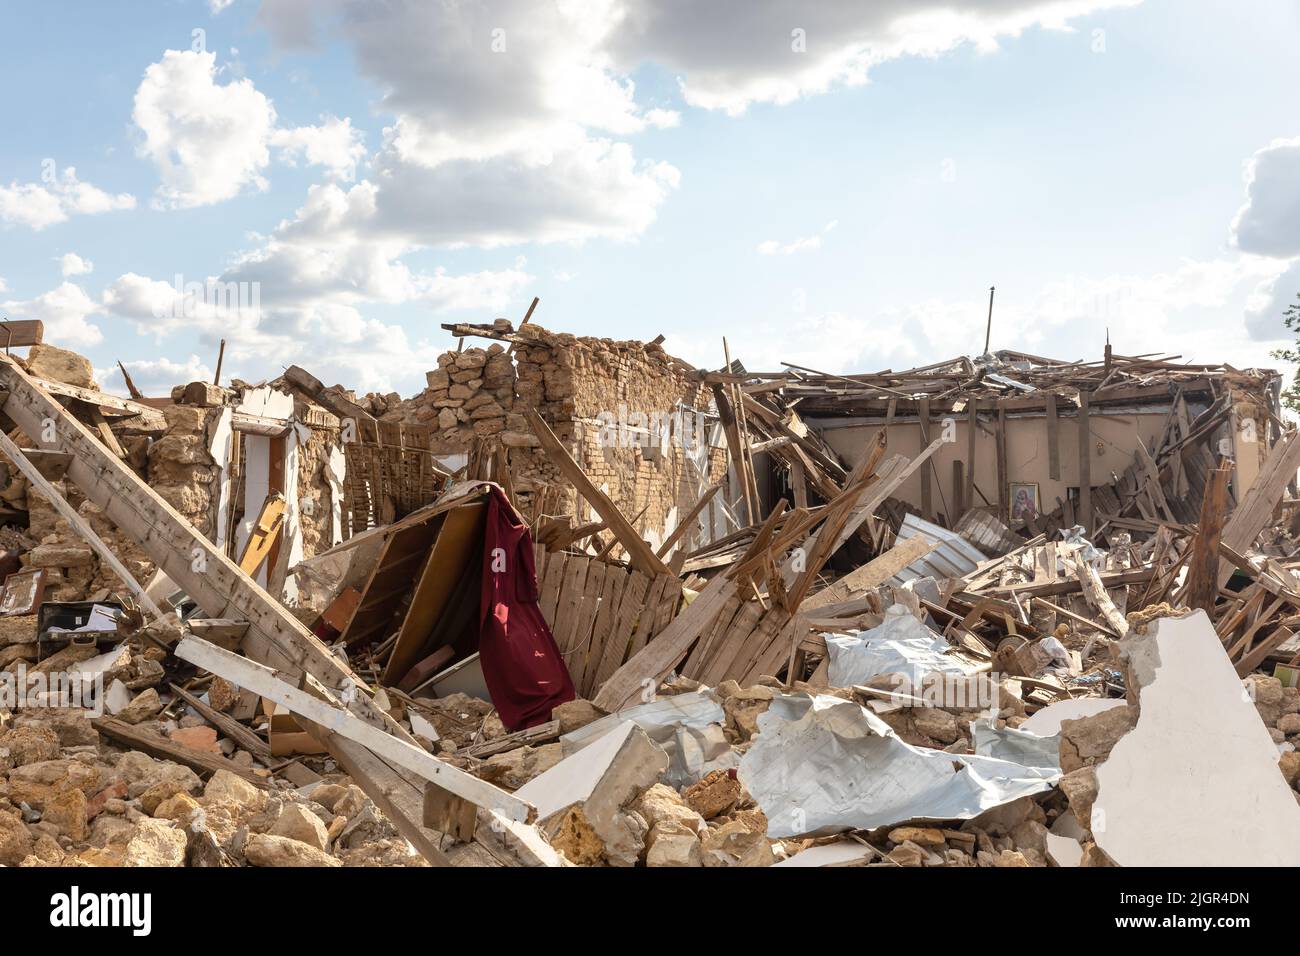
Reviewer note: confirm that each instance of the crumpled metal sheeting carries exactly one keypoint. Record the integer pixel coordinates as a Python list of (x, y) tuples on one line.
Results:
[(901, 644), (822, 764), (1016, 745), (687, 726)]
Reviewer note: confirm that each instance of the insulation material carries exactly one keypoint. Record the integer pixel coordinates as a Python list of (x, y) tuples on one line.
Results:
[(1196, 781), (822, 764), (901, 644)]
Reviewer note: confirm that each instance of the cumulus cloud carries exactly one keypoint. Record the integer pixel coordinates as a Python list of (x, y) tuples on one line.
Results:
[(1182, 308), (773, 247), (1266, 308), (155, 376), (210, 141), (732, 53), (71, 264), (1269, 222), (65, 311), (39, 205), (334, 145)]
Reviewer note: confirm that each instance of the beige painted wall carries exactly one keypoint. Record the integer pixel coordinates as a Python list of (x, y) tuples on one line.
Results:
[(1113, 441)]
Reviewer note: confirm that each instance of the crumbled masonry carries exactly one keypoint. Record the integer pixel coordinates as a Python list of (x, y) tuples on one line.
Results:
[(910, 618)]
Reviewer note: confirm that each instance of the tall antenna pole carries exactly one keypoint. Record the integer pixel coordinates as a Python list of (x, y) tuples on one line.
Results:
[(988, 331)]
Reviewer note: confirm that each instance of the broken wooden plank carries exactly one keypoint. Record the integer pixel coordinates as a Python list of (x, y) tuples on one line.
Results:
[(79, 524), (1255, 509), (156, 745), (638, 550), (232, 728), (264, 681), (1202, 587), (216, 584)]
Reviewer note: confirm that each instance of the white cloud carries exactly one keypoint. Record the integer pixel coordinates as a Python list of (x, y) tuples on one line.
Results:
[(732, 53), (773, 247), (216, 6), (210, 141), (39, 205), (334, 144), (155, 376), (1266, 308), (71, 264), (1269, 222), (1178, 312), (65, 311)]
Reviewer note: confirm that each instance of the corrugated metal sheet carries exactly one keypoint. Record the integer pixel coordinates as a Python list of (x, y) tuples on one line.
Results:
[(953, 558)]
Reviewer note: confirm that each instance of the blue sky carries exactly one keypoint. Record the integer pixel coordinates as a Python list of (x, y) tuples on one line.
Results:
[(647, 167)]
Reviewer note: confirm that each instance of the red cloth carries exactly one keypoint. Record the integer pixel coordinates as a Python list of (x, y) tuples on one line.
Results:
[(522, 666)]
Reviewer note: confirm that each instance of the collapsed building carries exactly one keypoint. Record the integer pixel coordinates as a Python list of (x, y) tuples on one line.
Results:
[(579, 602)]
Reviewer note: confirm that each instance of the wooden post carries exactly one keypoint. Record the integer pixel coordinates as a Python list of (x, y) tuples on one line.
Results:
[(1202, 588), (275, 637), (1004, 496), (1083, 515), (79, 524), (923, 417), (972, 429), (221, 357), (1053, 439)]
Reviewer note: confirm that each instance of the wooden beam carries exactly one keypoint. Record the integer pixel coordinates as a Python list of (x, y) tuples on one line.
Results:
[(264, 681), (232, 728), (731, 429), (972, 430), (1004, 477), (686, 523), (639, 552), (72, 517), (923, 418), (1255, 509), (216, 584), (1083, 515), (875, 572), (18, 333), (157, 745), (1202, 587), (1053, 439)]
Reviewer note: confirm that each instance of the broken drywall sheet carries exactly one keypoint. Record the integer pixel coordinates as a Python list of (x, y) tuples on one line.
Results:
[(822, 764), (1047, 722), (902, 644), (1196, 781), (687, 726), (843, 853), (336, 469), (220, 446)]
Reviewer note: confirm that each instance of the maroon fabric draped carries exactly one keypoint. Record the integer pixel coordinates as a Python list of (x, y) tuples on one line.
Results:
[(522, 666)]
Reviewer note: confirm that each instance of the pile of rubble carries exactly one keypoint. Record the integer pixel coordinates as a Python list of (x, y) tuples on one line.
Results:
[(509, 669)]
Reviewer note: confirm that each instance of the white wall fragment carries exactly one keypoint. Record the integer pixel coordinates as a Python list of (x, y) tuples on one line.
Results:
[(1196, 781)]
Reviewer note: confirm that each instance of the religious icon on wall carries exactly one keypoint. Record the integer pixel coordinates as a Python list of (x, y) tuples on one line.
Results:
[(1024, 501)]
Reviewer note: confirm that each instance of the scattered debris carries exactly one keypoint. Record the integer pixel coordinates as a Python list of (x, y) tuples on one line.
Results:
[(760, 619)]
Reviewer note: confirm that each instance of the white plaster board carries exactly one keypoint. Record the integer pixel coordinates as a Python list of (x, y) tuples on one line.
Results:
[(1047, 722), (829, 854), (574, 778), (336, 469), (1196, 781), (257, 485), (266, 402), (221, 443)]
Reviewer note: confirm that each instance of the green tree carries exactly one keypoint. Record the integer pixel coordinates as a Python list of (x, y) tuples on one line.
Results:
[(1291, 397)]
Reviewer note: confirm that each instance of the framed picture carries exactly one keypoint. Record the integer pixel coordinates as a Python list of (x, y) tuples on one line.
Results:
[(1024, 500)]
